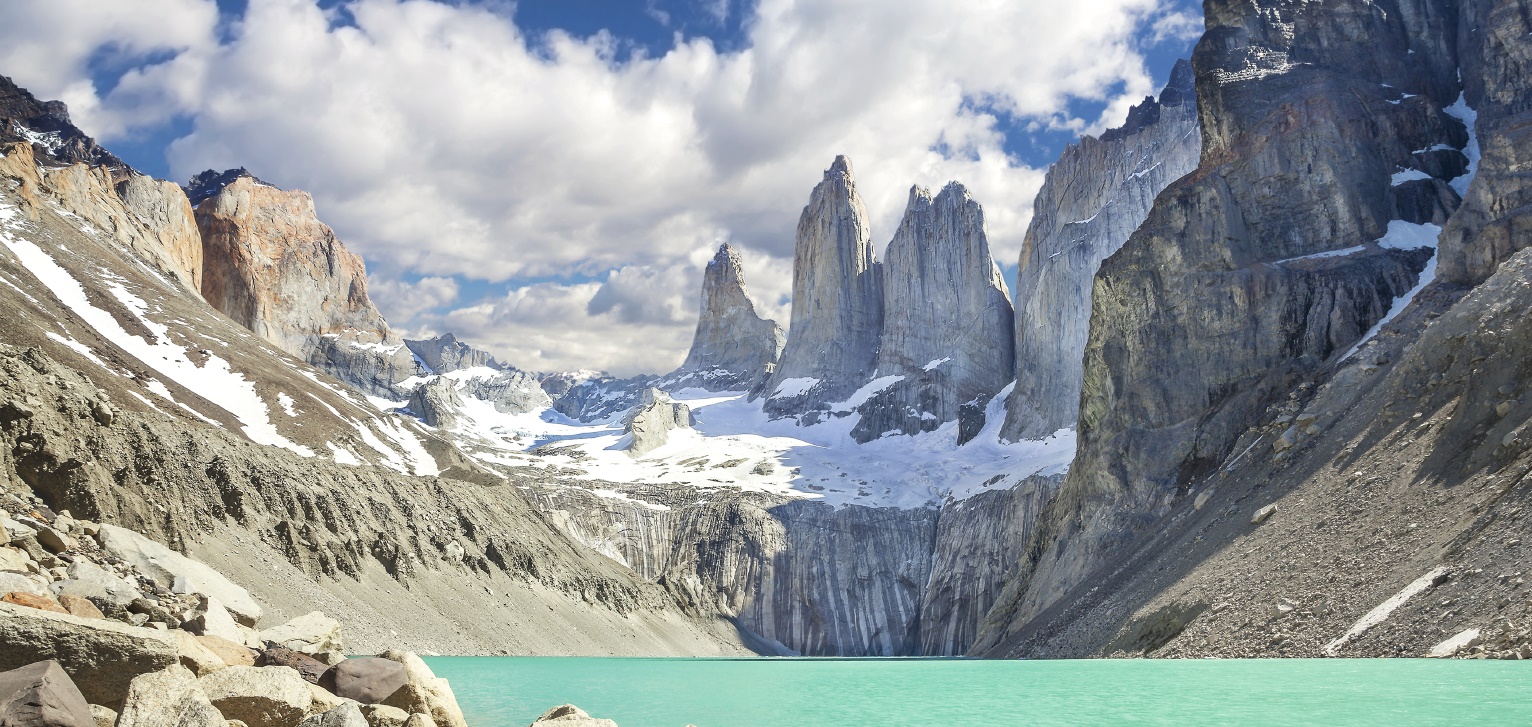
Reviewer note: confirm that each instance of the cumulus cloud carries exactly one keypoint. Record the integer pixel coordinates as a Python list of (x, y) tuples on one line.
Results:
[(439, 140)]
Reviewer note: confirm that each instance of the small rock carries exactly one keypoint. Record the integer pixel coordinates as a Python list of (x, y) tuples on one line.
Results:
[(568, 715), (382, 715), (194, 656), (1202, 499), (42, 695), (324, 701), (269, 696), (369, 680), (14, 559), (33, 600), (1504, 408), (20, 583), (168, 698), (104, 716), (330, 658), (229, 652), (54, 540), (1263, 514), (346, 715), (210, 618), (419, 720), (77, 606)]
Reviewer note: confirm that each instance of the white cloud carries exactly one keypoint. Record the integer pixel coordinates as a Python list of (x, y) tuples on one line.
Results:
[(440, 141)]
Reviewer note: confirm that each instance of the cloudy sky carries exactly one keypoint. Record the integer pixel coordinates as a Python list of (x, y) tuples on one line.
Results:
[(547, 177)]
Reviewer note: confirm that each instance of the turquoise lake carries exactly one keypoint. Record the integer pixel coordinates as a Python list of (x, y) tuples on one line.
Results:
[(513, 691)]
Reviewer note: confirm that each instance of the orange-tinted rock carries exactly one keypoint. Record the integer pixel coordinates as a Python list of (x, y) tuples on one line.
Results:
[(78, 606), (232, 654), (32, 600)]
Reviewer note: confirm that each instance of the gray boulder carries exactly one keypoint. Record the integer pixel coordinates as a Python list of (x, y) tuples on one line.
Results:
[(42, 695), (169, 698), (270, 696), (346, 715), (368, 680), (103, 656)]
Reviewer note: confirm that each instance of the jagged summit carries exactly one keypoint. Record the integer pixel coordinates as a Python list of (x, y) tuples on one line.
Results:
[(1095, 195), (47, 126), (210, 182), (947, 319), (733, 346), (446, 353), (832, 344)]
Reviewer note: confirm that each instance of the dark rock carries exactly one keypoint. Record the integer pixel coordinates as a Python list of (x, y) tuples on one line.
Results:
[(42, 695), (368, 680), (308, 667)]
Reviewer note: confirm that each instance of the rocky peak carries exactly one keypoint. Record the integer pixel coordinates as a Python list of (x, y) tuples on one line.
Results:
[(208, 183), (273, 267), (649, 424), (733, 346), (47, 126), (446, 353), (832, 344), (1094, 197), (947, 318)]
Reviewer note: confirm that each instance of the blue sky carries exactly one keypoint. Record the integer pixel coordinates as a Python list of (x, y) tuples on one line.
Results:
[(547, 177)]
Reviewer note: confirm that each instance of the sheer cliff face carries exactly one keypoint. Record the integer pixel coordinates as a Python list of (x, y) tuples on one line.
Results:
[(273, 267), (947, 319), (832, 344), (1259, 266), (733, 346), (1095, 196)]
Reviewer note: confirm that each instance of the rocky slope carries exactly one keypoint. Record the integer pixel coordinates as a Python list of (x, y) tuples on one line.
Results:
[(273, 267), (1251, 481), (128, 400), (45, 125), (946, 321), (734, 347), (1094, 197), (832, 343)]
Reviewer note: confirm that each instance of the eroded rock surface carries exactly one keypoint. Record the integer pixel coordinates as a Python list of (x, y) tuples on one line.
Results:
[(733, 347), (1094, 197)]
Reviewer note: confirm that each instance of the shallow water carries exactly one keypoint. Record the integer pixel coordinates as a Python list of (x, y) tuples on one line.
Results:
[(506, 691)]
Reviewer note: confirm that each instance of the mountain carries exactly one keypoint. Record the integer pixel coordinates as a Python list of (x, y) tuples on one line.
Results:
[(734, 347), (1301, 433), (445, 353), (273, 267), (55, 140), (1093, 198), (946, 321), (832, 343)]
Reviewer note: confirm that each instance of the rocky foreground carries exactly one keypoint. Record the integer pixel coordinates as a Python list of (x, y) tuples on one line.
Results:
[(102, 627)]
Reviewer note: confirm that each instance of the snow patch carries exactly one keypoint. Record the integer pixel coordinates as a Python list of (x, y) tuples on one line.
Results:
[(1408, 175), (1325, 254), (795, 387), (1404, 236), (287, 403), (932, 365), (868, 390), (343, 455), (1384, 610), (1470, 118)]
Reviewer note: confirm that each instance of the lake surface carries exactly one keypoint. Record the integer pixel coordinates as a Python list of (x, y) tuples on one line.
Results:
[(513, 691)]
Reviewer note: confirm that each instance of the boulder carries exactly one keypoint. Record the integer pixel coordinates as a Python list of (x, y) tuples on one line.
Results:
[(232, 654), (308, 667), (211, 618), (14, 559), (194, 656), (324, 701), (112, 593), (269, 696), (42, 695), (104, 716), (181, 573), (568, 715), (33, 600), (346, 715), (103, 656), (311, 633), (368, 680), (382, 715), (168, 698), (79, 606), (419, 720), (54, 540), (425, 693), (12, 582), (1263, 514)]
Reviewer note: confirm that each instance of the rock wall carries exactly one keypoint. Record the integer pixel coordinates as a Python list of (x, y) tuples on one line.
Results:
[(733, 347), (1254, 270), (947, 319), (273, 267), (1094, 197), (832, 344)]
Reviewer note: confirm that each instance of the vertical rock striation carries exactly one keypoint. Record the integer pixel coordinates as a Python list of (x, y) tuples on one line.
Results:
[(832, 344), (1094, 197), (273, 267), (734, 347), (947, 319), (1256, 268)]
